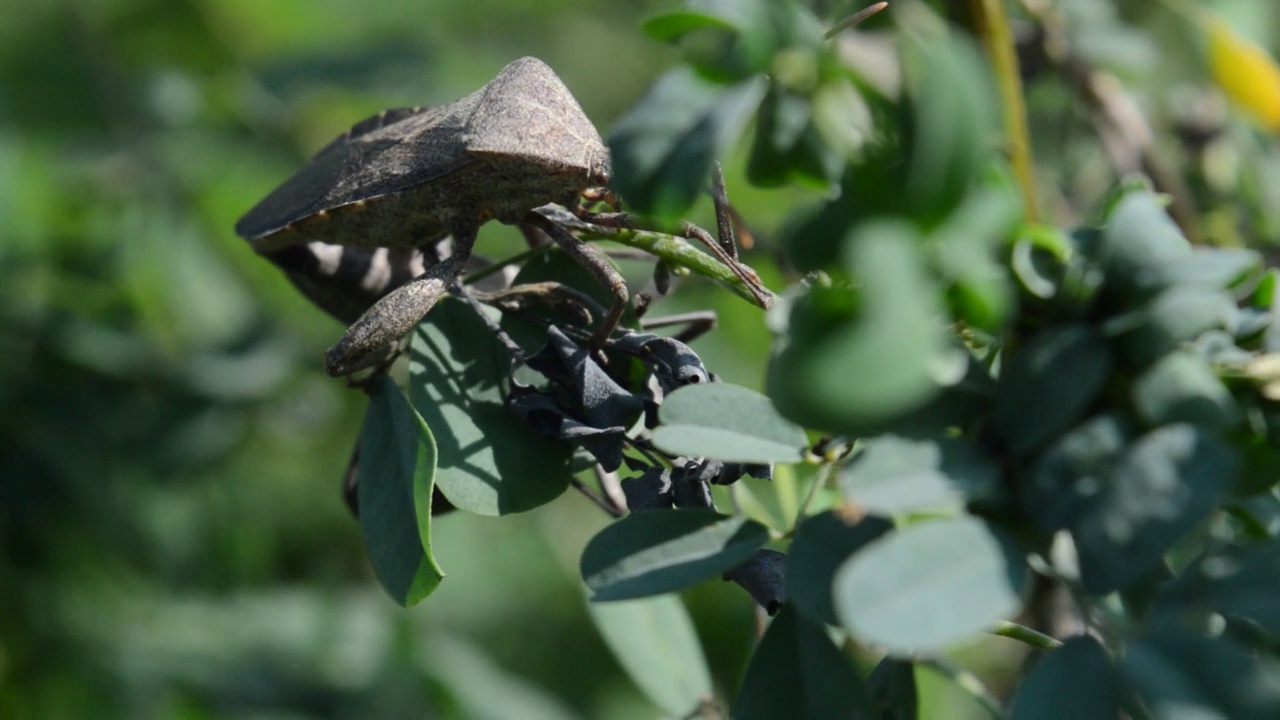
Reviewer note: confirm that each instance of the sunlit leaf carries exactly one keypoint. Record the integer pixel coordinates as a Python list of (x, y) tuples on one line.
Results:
[(899, 475), (729, 423), (930, 585), (660, 551), (397, 464), (490, 461)]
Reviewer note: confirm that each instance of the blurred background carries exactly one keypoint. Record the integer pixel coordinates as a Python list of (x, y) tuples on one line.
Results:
[(173, 543)]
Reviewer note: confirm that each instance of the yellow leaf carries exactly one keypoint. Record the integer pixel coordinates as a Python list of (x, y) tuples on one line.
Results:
[(1246, 72)]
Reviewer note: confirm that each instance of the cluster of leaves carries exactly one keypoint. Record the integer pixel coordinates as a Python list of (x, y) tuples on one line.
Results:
[(1095, 409)]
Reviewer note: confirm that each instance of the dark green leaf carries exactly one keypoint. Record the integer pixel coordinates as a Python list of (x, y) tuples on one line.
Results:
[(1172, 317), (670, 26), (729, 423), (1182, 675), (1235, 581), (797, 673), (1211, 268), (893, 690), (1183, 388), (664, 147), (821, 544), (1048, 384), (788, 147), (1138, 242), (854, 363), (1167, 482), (900, 475), (929, 586), (660, 551), (1074, 471), (655, 642), (490, 462), (397, 464), (953, 103), (725, 40), (1077, 680)]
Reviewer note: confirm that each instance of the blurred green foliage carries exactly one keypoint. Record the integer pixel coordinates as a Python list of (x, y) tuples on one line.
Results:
[(172, 537), (173, 541)]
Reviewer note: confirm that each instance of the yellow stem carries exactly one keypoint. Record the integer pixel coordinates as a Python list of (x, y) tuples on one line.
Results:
[(992, 28)]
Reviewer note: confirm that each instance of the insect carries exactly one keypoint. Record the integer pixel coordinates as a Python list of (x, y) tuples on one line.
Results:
[(406, 178)]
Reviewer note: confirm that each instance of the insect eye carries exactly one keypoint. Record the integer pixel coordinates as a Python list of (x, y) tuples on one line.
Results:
[(600, 174)]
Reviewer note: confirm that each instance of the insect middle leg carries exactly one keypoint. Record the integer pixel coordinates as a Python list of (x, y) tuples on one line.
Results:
[(597, 264)]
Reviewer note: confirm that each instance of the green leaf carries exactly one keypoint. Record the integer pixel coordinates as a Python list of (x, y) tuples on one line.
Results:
[(929, 586), (663, 149), (654, 641), (661, 551), (1182, 675), (1167, 482), (397, 464), (724, 40), (729, 423), (1234, 581), (821, 544), (1212, 268), (490, 462), (965, 250), (1074, 470), (1048, 384), (788, 147), (796, 672), (1183, 388), (893, 690), (1172, 317), (1137, 243), (670, 26), (899, 475), (952, 103), (853, 363), (1077, 680)]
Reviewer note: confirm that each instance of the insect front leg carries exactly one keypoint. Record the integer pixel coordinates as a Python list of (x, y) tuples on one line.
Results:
[(597, 264), (392, 317)]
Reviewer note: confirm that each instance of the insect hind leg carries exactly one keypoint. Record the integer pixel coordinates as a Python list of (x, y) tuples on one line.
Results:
[(397, 312)]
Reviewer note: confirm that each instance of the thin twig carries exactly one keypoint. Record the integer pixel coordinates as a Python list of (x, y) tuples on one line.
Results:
[(1024, 634), (823, 477), (591, 495), (854, 19)]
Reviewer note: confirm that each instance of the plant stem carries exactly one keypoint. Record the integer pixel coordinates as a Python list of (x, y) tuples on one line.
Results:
[(992, 28), (1024, 634), (823, 476)]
